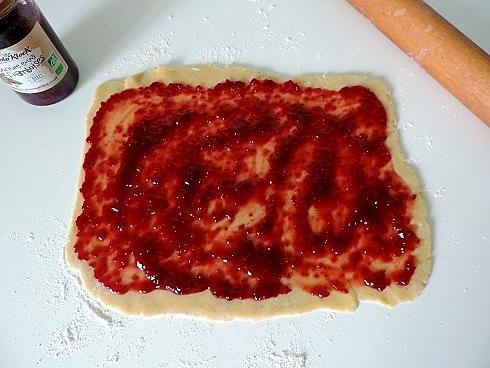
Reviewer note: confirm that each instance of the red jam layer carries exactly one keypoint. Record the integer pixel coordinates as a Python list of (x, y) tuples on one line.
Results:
[(246, 190)]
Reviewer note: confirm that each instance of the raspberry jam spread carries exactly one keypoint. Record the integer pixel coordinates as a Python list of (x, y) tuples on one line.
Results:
[(246, 190)]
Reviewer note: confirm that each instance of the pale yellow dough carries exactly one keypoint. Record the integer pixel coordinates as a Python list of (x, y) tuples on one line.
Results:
[(204, 304)]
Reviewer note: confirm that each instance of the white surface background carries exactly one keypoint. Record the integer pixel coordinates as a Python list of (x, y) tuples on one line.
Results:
[(45, 317)]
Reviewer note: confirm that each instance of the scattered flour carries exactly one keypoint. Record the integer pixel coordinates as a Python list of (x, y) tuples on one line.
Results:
[(90, 308), (100, 313), (421, 54), (273, 357), (439, 192), (424, 144), (64, 342), (156, 51), (30, 237), (406, 125), (112, 359), (288, 359), (199, 363), (428, 144), (399, 12), (221, 53)]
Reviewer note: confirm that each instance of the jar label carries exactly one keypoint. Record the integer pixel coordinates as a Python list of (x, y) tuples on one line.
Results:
[(32, 65)]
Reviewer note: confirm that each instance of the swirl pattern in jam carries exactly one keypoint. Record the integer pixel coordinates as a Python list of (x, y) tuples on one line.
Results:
[(245, 189)]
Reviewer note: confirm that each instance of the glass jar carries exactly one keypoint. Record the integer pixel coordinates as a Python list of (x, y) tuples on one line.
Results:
[(33, 61)]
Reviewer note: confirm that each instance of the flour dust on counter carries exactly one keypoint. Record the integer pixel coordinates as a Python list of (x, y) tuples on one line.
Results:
[(226, 192), (273, 356)]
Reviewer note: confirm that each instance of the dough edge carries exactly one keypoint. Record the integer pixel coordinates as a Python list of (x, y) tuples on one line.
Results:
[(204, 304)]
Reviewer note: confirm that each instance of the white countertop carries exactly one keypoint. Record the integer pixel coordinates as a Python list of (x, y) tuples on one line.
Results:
[(46, 319)]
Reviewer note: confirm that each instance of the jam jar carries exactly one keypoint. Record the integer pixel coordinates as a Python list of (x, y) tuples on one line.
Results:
[(33, 61)]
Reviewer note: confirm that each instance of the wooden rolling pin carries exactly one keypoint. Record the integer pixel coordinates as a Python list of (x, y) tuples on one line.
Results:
[(448, 55)]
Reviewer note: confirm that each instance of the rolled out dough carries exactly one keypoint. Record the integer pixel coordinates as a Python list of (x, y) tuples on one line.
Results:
[(204, 304)]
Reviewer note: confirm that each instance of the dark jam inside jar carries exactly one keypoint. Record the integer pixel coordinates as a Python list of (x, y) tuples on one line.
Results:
[(17, 20)]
